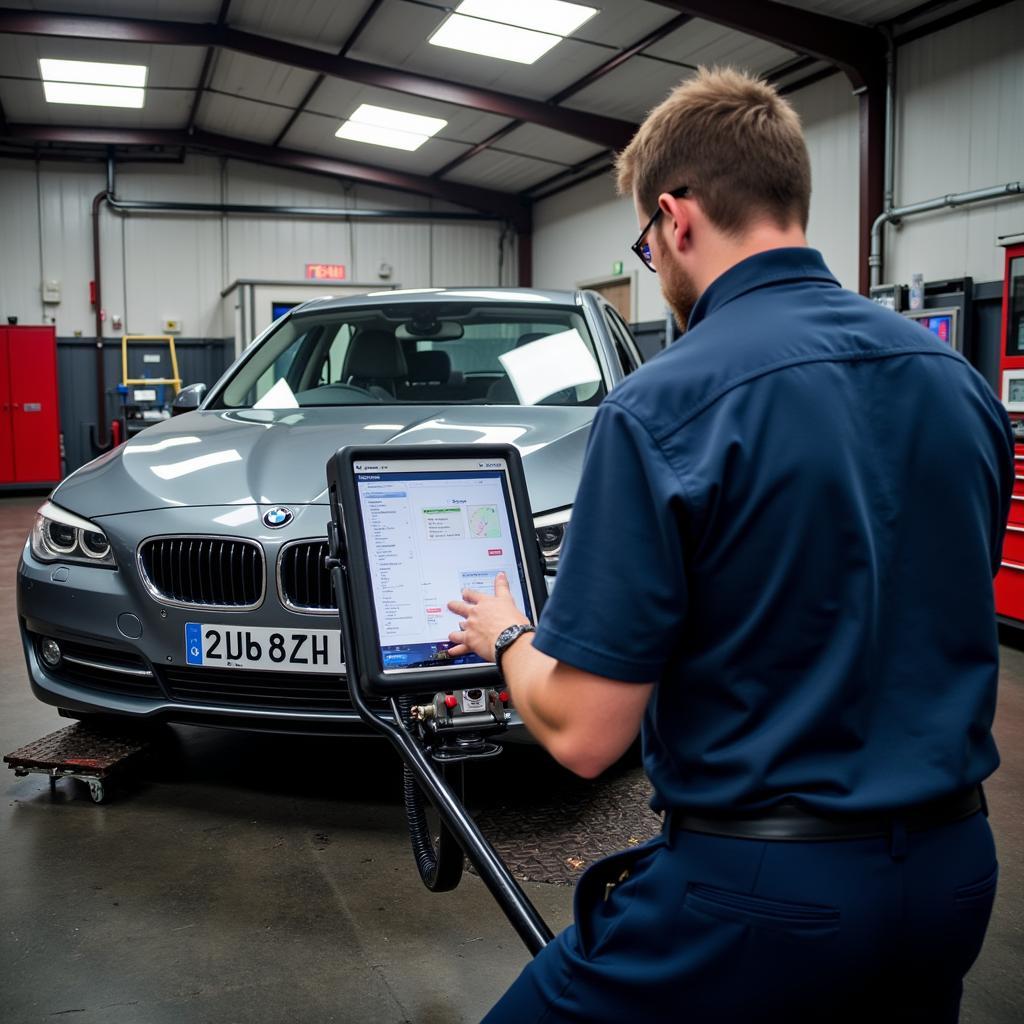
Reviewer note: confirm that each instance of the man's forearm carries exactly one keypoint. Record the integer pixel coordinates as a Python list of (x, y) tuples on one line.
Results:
[(586, 722)]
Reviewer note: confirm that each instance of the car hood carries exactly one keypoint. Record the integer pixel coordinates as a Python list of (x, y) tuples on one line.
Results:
[(262, 456)]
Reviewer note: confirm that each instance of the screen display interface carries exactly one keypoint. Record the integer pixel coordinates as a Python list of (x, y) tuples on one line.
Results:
[(433, 530), (941, 326)]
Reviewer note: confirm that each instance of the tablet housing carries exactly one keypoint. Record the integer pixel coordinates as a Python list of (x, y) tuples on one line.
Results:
[(350, 510)]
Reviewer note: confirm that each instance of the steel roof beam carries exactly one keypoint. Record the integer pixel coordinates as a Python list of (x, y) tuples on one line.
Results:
[(606, 131), (500, 204), (570, 90), (857, 49), (319, 80), (222, 16)]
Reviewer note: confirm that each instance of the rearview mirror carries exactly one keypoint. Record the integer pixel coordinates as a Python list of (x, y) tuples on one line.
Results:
[(426, 328), (188, 398)]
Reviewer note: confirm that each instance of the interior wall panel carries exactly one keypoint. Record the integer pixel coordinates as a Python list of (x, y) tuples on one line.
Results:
[(19, 254), (961, 93), (174, 265), (829, 112)]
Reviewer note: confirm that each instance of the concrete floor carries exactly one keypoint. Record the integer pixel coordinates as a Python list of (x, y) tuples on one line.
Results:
[(256, 879)]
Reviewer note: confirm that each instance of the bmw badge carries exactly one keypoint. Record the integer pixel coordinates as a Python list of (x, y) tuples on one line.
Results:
[(277, 517)]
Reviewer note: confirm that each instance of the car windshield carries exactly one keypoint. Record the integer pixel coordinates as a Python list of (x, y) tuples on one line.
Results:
[(485, 354)]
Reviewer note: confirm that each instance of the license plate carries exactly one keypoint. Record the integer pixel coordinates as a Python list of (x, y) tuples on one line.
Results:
[(262, 649)]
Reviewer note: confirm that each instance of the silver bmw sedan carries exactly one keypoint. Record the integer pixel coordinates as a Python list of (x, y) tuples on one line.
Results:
[(180, 577)]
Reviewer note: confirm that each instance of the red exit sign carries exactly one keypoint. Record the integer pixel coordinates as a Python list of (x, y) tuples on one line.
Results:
[(325, 271)]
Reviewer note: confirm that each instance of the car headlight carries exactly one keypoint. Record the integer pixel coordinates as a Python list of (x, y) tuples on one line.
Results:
[(551, 536), (61, 536)]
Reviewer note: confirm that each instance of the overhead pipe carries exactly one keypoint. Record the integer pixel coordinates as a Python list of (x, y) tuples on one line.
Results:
[(317, 212), (898, 214)]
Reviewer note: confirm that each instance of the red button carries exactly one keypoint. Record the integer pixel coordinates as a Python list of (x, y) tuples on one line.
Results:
[(451, 701), (503, 696)]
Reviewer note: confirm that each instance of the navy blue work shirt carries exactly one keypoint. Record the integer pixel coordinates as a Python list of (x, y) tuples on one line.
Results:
[(789, 521)]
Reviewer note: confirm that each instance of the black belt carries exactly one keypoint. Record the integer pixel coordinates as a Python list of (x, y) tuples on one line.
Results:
[(791, 822)]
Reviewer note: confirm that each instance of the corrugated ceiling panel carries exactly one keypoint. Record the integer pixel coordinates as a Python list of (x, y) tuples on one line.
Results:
[(534, 140), (324, 24), (702, 42), (314, 134), (502, 172), (172, 10), (339, 99), (174, 67), (397, 36), (630, 90), (23, 101), (258, 79), (243, 119), (868, 12), (168, 65)]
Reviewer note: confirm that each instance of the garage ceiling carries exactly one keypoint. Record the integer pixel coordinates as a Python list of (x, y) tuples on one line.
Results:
[(268, 101)]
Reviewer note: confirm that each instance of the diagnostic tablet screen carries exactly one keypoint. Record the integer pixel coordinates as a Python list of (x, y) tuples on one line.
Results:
[(432, 529)]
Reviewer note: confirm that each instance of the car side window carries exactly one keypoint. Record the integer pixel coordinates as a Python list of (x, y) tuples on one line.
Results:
[(625, 348)]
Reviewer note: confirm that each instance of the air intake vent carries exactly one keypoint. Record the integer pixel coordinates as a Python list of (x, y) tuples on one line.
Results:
[(208, 572), (304, 583)]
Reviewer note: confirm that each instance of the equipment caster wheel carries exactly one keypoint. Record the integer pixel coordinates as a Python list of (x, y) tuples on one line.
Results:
[(97, 791)]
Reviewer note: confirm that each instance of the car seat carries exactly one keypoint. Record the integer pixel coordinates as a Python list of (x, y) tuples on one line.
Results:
[(375, 361)]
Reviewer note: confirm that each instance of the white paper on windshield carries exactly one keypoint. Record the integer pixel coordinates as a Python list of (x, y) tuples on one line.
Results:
[(280, 396), (548, 365), (430, 535)]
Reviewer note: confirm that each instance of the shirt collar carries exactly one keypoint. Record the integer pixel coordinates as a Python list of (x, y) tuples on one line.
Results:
[(758, 271)]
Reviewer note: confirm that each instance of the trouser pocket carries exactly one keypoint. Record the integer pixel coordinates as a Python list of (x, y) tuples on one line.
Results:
[(605, 890), (760, 911)]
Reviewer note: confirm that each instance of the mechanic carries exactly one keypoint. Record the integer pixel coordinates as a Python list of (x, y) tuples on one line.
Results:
[(780, 562)]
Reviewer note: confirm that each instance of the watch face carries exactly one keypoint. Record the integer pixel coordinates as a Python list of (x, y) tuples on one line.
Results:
[(507, 634)]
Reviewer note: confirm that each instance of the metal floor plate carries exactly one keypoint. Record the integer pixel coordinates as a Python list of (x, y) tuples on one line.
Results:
[(555, 835)]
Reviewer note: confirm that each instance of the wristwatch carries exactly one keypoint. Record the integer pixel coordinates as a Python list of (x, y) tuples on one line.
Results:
[(507, 637)]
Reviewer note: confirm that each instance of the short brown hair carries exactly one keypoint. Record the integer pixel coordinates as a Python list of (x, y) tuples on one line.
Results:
[(734, 141)]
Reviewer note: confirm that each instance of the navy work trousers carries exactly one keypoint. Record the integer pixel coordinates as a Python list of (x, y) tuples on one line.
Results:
[(711, 930)]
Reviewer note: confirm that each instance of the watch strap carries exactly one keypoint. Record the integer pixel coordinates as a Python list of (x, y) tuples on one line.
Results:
[(507, 637)]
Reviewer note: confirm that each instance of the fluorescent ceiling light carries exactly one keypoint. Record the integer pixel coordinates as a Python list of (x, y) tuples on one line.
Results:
[(522, 32), (381, 126), (554, 16), (93, 83)]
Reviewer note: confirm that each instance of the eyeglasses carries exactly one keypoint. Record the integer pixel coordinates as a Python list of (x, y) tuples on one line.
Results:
[(640, 247)]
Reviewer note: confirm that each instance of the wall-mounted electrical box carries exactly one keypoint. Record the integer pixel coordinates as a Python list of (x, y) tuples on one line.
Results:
[(51, 292)]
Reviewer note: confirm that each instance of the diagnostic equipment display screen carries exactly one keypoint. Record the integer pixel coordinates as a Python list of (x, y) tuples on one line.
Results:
[(431, 529)]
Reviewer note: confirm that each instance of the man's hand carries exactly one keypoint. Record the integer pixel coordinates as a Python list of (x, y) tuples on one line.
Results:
[(484, 617)]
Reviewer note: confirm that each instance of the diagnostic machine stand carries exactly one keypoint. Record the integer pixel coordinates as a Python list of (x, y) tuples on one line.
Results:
[(411, 527)]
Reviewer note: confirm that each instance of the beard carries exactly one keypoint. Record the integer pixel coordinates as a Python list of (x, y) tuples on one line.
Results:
[(679, 291)]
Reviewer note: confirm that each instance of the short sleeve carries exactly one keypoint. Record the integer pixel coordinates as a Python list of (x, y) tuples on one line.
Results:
[(620, 597)]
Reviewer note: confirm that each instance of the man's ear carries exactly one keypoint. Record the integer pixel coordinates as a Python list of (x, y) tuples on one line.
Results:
[(676, 219)]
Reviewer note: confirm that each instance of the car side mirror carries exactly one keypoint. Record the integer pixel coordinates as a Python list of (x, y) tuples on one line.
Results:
[(188, 398)]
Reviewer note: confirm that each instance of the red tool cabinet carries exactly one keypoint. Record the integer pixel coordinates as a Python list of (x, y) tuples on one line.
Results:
[(29, 417), (1010, 580)]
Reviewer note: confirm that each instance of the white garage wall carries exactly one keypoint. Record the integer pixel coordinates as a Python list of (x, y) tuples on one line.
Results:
[(829, 112), (960, 125), (579, 233), (163, 266), (960, 122)]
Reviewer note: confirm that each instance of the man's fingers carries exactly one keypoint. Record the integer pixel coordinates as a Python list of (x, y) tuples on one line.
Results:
[(459, 608), (458, 650), (501, 587)]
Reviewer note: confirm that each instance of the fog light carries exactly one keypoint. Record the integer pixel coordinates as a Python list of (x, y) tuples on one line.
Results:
[(50, 650)]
